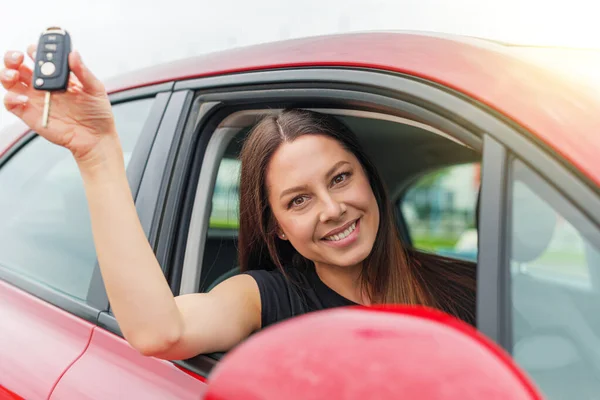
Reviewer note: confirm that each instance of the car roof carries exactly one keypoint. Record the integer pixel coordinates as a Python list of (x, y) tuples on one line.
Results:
[(560, 113)]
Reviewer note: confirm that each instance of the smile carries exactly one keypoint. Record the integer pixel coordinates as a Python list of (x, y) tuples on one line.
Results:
[(342, 235), (345, 237)]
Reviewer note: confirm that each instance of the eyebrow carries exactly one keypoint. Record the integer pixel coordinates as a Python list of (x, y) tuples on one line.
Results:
[(304, 187), (336, 166)]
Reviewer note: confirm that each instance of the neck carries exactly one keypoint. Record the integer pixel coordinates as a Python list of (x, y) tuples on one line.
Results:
[(344, 280)]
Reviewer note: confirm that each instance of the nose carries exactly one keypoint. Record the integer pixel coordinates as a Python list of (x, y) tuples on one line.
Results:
[(332, 209)]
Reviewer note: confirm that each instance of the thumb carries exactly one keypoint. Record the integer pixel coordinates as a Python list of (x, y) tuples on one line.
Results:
[(90, 83)]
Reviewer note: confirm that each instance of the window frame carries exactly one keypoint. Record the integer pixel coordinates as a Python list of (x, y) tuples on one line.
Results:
[(260, 90), (213, 158), (552, 171), (96, 300)]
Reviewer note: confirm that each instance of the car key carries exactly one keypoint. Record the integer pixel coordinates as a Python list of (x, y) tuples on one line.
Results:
[(51, 70)]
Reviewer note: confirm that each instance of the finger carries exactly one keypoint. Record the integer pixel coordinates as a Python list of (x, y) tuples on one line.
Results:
[(14, 101), (90, 83), (31, 51), (75, 87), (9, 78), (11, 81), (74, 81), (24, 108), (13, 59), (25, 74)]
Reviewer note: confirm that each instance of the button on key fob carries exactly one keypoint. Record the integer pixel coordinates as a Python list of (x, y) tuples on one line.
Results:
[(51, 70)]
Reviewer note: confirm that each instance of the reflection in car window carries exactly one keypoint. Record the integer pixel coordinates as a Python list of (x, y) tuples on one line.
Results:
[(439, 211), (45, 230), (555, 274)]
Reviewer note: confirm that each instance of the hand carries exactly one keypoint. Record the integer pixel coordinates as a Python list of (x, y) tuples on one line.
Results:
[(81, 118)]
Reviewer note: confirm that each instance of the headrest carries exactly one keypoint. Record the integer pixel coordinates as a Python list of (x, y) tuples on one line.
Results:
[(533, 224)]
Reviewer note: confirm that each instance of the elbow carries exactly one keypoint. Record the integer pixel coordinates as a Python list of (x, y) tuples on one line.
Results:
[(155, 344)]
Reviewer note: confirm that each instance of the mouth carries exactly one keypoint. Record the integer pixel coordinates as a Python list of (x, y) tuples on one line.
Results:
[(344, 235)]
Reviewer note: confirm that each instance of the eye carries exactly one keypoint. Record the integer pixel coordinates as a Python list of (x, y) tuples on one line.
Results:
[(340, 178), (298, 201)]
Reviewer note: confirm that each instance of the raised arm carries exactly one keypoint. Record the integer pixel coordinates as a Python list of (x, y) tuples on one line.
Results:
[(151, 319)]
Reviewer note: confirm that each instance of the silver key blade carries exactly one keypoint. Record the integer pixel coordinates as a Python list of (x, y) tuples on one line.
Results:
[(46, 113)]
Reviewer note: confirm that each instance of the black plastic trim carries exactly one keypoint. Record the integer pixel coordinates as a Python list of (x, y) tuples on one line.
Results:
[(139, 158), (493, 274), (170, 251), (163, 206), (199, 364), (108, 321), (22, 142), (355, 96), (147, 199), (141, 92), (391, 84), (50, 295)]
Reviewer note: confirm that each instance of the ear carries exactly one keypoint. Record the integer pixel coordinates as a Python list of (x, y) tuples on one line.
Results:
[(281, 235)]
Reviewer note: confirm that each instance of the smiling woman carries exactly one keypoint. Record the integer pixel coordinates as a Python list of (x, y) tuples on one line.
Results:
[(316, 226)]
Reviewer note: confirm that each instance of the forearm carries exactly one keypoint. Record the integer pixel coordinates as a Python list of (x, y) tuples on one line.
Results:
[(137, 289)]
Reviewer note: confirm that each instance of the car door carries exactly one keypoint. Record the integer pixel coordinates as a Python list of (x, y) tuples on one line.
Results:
[(47, 259), (545, 305), (110, 367), (51, 289)]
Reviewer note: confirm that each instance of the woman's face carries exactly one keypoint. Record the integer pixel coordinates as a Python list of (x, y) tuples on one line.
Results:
[(322, 201)]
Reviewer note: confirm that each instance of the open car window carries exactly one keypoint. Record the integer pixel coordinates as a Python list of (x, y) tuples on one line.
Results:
[(400, 151)]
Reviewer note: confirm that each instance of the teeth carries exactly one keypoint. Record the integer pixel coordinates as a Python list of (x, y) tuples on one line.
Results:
[(342, 235)]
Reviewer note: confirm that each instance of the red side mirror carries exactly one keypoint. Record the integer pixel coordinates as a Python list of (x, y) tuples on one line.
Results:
[(369, 353)]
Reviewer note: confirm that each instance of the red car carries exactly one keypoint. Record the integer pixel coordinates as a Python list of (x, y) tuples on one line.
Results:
[(486, 156)]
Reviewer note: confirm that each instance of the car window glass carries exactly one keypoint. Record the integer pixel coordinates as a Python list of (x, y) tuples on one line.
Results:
[(555, 285), (45, 231), (439, 211), (220, 252), (226, 198)]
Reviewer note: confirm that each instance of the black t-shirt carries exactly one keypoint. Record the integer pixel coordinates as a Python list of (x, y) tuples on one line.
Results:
[(301, 292)]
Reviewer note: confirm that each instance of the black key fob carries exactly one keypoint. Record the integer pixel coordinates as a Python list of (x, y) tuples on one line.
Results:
[(51, 71)]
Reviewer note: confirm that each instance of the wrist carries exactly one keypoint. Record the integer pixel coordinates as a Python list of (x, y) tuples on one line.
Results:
[(106, 157)]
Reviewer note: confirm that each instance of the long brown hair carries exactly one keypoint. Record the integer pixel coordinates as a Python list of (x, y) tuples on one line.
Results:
[(391, 273)]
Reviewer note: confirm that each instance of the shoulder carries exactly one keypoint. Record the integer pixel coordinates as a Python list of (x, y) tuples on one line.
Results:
[(279, 294), (276, 284), (276, 277)]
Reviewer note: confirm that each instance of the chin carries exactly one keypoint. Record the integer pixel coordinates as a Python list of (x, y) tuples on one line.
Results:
[(350, 260)]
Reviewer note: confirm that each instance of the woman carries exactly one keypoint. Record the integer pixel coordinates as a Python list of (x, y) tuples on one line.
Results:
[(316, 228)]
